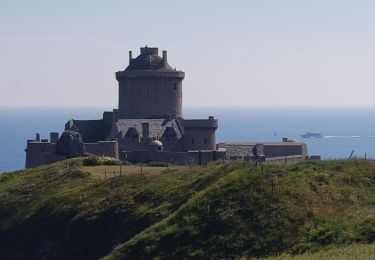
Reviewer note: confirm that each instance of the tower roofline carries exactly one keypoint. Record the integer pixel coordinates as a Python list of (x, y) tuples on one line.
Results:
[(149, 60)]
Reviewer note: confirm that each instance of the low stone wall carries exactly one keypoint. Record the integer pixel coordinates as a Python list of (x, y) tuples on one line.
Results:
[(186, 158)]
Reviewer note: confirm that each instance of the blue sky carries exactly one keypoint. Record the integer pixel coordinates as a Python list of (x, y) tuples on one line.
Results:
[(234, 53)]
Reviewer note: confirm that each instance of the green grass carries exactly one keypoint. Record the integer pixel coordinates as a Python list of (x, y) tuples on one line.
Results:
[(222, 211), (110, 171), (350, 252)]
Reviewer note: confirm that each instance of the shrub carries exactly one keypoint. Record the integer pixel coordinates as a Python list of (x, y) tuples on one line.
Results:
[(100, 160), (322, 178), (329, 233), (158, 164), (367, 229)]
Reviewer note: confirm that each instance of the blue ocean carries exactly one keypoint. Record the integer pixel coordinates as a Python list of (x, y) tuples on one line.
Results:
[(344, 129)]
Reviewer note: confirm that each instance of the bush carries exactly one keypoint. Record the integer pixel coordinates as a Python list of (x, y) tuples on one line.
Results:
[(325, 236), (100, 160), (322, 178), (367, 229), (158, 164)]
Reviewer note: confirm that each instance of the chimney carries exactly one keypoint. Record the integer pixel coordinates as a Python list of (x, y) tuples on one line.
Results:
[(145, 130), (130, 56), (37, 137), (165, 57), (54, 137)]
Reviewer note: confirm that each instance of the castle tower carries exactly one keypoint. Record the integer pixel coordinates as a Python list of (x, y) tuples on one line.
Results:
[(149, 87)]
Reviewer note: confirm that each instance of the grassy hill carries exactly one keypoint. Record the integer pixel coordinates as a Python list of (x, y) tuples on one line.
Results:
[(223, 211)]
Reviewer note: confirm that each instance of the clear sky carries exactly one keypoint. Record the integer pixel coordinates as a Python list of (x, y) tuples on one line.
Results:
[(234, 53)]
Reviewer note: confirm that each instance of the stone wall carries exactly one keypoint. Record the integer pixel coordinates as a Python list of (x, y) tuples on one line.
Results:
[(182, 158), (40, 153), (199, 139), (283, 150), (161, 97), (264, 149), (103, 148), (199, 134)]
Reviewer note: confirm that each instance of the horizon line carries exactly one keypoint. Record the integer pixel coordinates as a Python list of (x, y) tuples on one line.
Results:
[(196, 106)]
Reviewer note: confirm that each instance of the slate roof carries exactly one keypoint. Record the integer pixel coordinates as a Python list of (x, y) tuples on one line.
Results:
[(156, 127)]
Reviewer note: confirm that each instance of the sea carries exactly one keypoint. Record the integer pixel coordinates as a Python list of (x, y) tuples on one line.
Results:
[(345, 130)]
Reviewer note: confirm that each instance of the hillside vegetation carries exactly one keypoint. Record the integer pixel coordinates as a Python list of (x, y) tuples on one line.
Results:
[(230, 210), (348, 252)]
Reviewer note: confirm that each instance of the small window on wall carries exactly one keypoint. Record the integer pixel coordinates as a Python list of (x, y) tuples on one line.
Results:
[(205, 140), (192, 141), (148, 91), (175, 86)]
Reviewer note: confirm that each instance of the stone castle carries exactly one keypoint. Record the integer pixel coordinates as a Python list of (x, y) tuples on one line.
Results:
[(148, 126)]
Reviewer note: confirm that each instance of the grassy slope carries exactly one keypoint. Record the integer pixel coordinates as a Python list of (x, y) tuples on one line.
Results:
[(349, 252), (220, 211)]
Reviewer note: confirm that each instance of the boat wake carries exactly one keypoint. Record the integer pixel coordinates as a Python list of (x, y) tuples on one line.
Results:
[(346, 136)]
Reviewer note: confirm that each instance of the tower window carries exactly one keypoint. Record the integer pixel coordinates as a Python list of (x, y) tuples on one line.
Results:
[(192, 141), (205, 140), (148, 91), (175, 86)]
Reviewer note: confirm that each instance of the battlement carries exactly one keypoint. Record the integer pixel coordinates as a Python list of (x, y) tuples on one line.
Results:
[(149, 50)]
